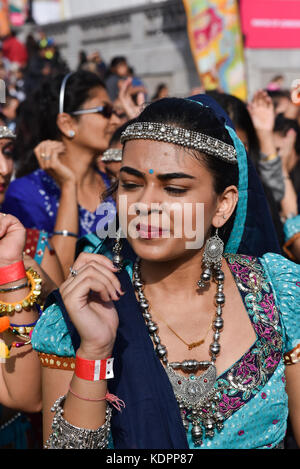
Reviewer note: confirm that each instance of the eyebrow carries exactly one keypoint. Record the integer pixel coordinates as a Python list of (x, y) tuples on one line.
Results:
[(161, 177)]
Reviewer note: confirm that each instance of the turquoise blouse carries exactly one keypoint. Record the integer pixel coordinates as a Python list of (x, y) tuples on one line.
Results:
[(255, 412)]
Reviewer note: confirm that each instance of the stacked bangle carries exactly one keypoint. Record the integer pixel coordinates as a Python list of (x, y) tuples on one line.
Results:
[(32, 298), (14, 288)]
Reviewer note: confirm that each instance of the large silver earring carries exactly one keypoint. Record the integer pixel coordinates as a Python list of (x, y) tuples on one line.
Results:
[(212, 259), (117, 258)]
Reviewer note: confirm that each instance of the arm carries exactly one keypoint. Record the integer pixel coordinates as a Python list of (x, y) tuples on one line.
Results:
[(96, 320), (20, 375), (67, 219), (292, 374), (48, 154)]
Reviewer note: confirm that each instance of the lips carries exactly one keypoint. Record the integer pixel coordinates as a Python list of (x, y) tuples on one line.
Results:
[(149, 232)]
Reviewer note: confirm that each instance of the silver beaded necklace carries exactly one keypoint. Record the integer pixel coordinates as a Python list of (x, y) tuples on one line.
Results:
[(197, 396)]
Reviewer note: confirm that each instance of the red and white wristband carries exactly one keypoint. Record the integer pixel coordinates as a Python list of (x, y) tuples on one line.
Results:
[(94, 370)]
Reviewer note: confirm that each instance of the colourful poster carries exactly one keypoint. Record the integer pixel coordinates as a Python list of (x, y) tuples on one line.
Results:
[(271, 23), (217, 45), (4, 18), (18, 10)]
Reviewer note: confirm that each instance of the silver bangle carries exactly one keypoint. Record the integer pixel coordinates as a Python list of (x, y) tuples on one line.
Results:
[(64, 233), (14, 288), (66, 436)]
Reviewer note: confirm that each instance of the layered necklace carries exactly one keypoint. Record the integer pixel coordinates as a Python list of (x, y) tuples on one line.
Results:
[(197, 396)]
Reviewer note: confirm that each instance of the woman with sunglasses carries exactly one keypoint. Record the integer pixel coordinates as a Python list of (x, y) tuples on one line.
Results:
[(163, 338), (63, 197)]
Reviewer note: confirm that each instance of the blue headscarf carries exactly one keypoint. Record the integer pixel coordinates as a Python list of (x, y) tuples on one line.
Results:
[(253, 231)]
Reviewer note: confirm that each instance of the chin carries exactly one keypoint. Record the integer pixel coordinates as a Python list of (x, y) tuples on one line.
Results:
[(156, 250)]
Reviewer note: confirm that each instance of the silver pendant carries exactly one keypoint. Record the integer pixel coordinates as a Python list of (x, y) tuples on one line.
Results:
[(198, 400), (195, 389)]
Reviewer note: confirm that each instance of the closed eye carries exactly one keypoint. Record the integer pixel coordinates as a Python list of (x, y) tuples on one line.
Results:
[(175, 190), (129, 185)]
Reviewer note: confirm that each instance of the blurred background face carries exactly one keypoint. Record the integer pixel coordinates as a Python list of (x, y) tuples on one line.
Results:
[(161, 173), (94, 130), (6, 165)]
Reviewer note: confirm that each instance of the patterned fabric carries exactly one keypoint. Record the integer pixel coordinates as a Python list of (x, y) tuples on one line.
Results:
[(291, 227), (36, 243), (254, 400), (34, 200)]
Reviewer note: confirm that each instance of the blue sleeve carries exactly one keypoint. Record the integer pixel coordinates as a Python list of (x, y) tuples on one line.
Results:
[(23, 200), (51, 334), (291, 227), (284, 276)]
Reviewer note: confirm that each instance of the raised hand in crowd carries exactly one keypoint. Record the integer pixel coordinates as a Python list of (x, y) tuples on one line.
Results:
[(262, 113), (132, 109)]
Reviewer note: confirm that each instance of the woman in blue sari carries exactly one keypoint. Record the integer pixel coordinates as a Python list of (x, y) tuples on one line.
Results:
[(202, 340), (59, 191)]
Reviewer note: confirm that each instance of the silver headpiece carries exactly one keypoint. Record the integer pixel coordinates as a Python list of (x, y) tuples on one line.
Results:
[(187, 138), (5, 132), (112, 155)]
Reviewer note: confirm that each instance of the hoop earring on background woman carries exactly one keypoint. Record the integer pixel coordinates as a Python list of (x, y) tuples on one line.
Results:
[(212, 259), (117, 258)]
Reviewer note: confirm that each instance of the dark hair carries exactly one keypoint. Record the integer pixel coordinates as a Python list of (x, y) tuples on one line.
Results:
[(241, 119), (115, 61), (37, 115), (116, 136), (283, 125)]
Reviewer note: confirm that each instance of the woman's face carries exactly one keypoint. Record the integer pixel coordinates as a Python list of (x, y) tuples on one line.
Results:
[(166, 200), (94, 130), (6, 165)]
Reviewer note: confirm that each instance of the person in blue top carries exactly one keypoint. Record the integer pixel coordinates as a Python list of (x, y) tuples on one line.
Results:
[(60, 188), (185, 335)]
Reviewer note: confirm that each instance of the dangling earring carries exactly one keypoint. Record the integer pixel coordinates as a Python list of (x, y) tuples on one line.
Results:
[(117, 258), (212, 259)]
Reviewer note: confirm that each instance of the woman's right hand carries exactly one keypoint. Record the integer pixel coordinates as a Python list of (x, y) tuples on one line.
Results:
[(48, 154), (88, 298)]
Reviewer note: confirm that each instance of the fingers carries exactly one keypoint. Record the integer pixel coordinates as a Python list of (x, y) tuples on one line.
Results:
[(7, 221), (90, 278), (94, 267), (85, 257), (47, 153)]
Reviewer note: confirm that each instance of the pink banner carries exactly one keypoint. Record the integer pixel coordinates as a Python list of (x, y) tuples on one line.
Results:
[(271, 23)]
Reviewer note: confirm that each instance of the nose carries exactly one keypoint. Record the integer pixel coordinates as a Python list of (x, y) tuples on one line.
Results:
[(115, 119), (149, 200), (6, 165)]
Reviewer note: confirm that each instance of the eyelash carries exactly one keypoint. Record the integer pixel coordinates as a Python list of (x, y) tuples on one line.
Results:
[(172, 190)]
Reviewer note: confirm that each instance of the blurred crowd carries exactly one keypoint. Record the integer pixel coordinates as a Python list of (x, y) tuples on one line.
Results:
[(42, 186)]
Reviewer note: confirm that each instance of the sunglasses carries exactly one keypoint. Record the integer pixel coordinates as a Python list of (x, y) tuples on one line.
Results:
[(106, 111)]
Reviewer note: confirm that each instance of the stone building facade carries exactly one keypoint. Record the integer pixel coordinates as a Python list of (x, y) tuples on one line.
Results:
[(152, 35)]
